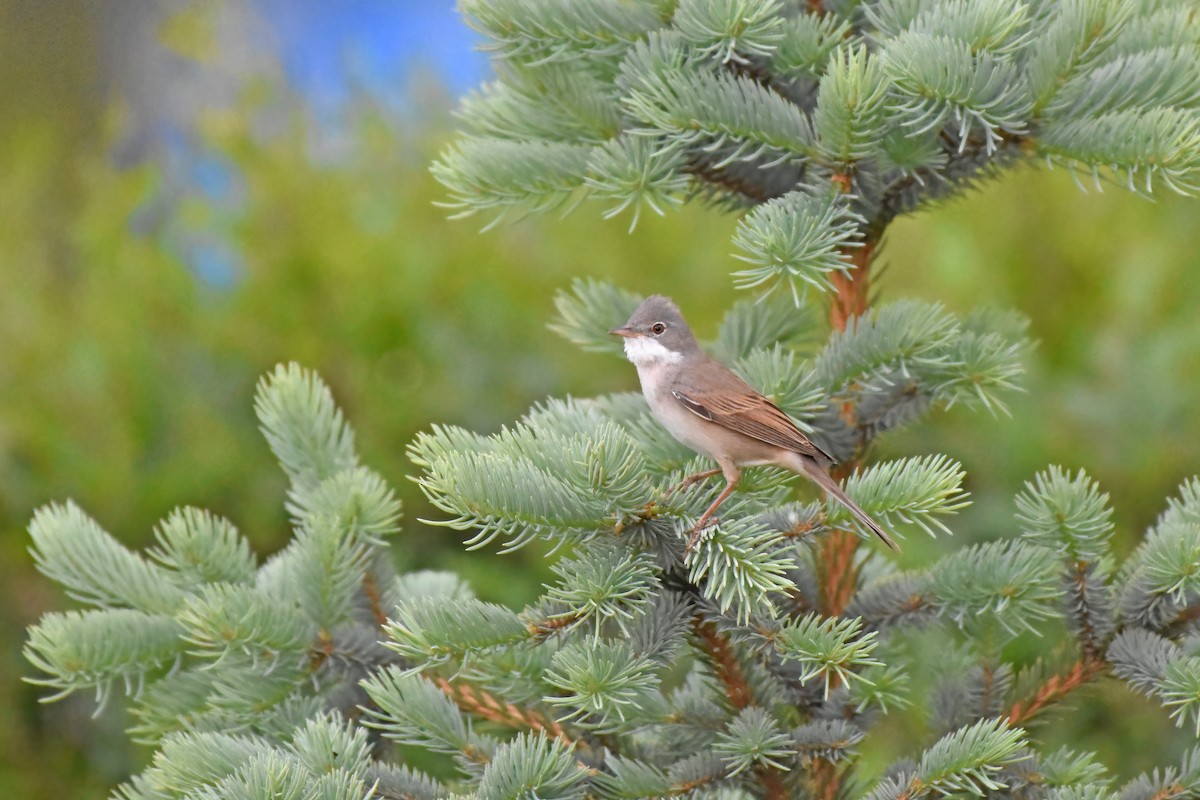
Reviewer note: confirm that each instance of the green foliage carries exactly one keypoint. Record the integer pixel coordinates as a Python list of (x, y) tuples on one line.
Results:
[(605, 682), (753, 739), (753, 101), (341, 511), (283, 657), (968, 759), (1067, 514), (432, 630), (1005, 585), (828, 648), (94, 567), (94, 649), (795, 238), (242, 655)]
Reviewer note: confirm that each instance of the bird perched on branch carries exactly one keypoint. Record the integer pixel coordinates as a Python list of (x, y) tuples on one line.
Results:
[(707, 407)]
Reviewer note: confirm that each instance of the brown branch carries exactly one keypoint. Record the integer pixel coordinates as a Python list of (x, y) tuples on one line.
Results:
[(321, 651), (839, 572), (374, 599), (852, 286), (545, 628), (1056, 688), (772, 780), (724, 662), (1187, 614), (485, 704), (826, 779)]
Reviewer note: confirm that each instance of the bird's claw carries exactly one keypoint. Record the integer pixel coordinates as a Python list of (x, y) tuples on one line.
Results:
[(694, 535)]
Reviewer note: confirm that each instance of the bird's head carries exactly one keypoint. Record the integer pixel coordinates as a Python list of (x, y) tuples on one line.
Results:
[(657, 333)]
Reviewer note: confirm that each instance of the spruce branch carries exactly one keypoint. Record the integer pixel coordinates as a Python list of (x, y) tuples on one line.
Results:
[(798, 239), (939, 81), (807, 43), (587, 313), (1065, 767), (533, 765), (71, 548), (481, 703), (1168, 783), (604, 582), (826, 647), (1056, 688), (628, 779), (553, 31), (552, 102), (511, 178), (602, 682), (1138, 147), (176, 770), (403, 783), (738, 566), (304, 427), (851, 112), (673, 94), (1066, 513), (432, 631), (916, 491), (753, 740), (1180, 691), (200, 548), (830, 740), (880, 348), (413, 710), (1140, 657), (724, 661), (968, 760), (1160, 76), (224, 619), (753, 327), (1072, 36), (1005, 586), (730, 30), (633, 172), (95, 649)]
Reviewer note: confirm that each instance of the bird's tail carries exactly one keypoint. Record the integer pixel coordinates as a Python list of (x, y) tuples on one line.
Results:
[(826, 482)]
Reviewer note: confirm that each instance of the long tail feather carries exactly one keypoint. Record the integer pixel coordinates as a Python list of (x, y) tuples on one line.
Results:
[(823, 479)]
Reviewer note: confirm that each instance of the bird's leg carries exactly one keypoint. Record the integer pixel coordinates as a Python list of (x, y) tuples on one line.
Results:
[(730, 485), (691, 480)]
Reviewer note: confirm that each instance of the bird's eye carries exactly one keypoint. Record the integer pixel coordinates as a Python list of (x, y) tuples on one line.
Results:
[(658, 329)]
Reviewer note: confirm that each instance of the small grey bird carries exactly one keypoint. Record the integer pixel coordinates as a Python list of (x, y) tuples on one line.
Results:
[(714, 412)]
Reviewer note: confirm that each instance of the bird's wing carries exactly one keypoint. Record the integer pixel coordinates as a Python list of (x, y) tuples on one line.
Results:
[(734, 404)]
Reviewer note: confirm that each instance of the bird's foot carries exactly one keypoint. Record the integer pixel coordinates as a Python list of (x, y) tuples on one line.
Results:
[(694, 535), (690, 481)]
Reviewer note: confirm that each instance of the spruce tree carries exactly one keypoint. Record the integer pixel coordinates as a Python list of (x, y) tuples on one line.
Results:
[(755, 665)]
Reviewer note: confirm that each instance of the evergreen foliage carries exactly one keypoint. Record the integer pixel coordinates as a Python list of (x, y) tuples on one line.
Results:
[(757, 664), (639, 673), (829, 117)]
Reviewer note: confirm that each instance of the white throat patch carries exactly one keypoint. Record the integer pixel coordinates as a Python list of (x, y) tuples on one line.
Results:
[(645, 352)]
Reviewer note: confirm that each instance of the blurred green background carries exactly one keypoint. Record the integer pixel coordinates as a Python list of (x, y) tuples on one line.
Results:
[(128, 360)]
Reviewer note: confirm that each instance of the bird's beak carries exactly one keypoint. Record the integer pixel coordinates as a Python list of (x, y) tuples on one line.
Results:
[(625, 331)]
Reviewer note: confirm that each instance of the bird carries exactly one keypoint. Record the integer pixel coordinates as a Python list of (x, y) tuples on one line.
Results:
[(708, 408)]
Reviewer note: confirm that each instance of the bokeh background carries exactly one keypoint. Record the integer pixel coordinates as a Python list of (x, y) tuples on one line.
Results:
[(191, 192)]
